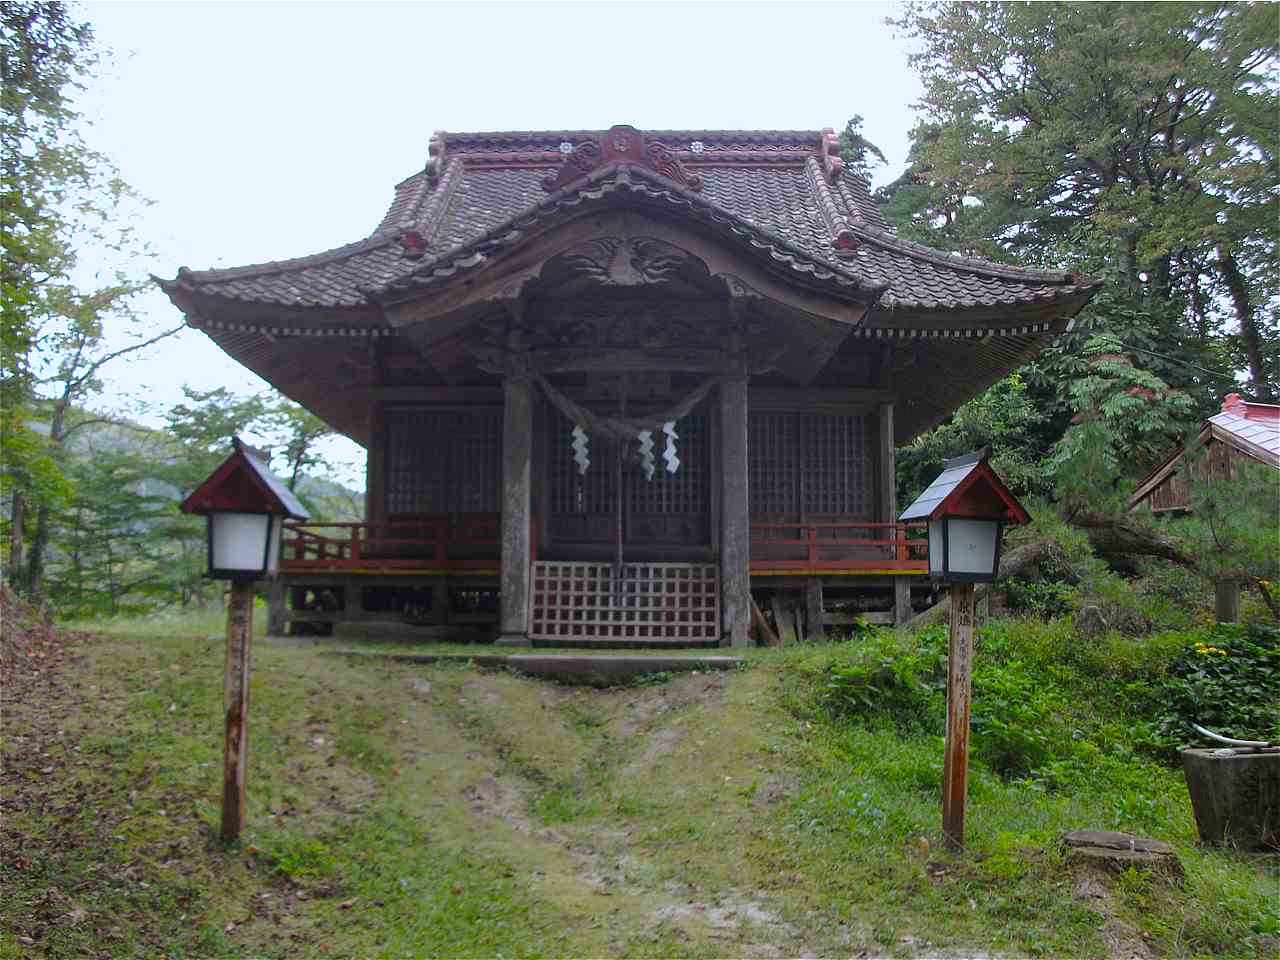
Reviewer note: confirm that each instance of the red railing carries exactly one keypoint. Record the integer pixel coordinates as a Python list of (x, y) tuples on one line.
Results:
[(835, 547), (472, 543), (429, 543)]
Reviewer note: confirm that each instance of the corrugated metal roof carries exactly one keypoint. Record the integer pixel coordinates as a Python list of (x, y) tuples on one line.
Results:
[(1262, 434), (953, 474)]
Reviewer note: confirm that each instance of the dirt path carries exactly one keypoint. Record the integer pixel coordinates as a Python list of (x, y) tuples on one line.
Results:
[(625, 808)]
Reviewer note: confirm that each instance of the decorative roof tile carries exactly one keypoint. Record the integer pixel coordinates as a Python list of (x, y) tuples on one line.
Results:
[(773, 191)]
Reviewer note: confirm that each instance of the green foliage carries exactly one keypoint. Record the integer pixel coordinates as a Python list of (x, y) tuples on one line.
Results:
[(1043, 599), (878, 677), (1226, 678), (1233, 519), (859, 154), (1126, 418), (1004, 418)]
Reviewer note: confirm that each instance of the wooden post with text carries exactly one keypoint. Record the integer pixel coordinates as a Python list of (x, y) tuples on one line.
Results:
[(955, 762), (235, 755), (967, 508)]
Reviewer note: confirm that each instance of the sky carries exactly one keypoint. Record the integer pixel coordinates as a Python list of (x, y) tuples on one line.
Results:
[(272, 130)]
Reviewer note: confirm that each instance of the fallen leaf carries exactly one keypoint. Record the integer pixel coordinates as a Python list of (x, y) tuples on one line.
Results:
[(457, 888)]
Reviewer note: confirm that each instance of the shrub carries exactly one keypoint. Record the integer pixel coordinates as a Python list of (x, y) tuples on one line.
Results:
[(1014, 719), (1045, 600), (882, 675), (1227, 678)]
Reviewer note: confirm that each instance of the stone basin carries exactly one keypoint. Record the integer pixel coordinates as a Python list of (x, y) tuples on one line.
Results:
[(1235, 794)]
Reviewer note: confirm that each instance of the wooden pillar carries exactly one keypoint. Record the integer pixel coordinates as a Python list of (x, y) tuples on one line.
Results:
[(735, 518), (517, 450), (955, 762), (236, 699), (888, 482), (814, 627), (277, 612), (1226, 601)]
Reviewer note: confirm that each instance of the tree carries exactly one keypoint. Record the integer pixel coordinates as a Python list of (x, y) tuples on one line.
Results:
[(1005, 419), (1231, 525), (59, 197), (295, 432), (1140, 135)]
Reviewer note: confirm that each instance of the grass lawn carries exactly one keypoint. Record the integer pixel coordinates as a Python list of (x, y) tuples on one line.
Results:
[(402, 809)]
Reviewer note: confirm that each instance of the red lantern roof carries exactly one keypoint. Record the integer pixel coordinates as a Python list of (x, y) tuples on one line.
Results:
[(244, 483), (967, 487)]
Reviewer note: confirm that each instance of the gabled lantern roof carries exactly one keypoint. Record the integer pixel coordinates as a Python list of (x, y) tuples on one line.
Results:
[(967, 487), (244, 483)]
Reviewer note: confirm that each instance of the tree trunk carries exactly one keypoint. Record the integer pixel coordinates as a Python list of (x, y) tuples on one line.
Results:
[(17, 518), (1114, 538), (34, 580), (1249, 335)]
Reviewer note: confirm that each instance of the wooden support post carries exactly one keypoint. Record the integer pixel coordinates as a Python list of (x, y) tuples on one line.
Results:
[(1226, 601), (735, 520), (517, 448), (902, 609), (236, 698), (814, 611), (955, 763), (277, 612)]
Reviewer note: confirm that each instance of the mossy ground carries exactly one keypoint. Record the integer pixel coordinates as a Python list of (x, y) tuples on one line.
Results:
[(400, 809)]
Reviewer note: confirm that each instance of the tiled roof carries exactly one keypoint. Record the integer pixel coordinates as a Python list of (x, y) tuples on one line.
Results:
[(773, 191)]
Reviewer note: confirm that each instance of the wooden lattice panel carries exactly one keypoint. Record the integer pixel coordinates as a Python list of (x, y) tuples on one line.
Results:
[(837, 469), (773, 464), (443, 461), (669, 509), (650, 603), (809, 466)]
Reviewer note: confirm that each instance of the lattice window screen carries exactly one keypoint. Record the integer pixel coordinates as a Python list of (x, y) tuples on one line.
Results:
[(773, 465), (592, 492), (443, 461), (808, 465), (686, 491), (837, 468)]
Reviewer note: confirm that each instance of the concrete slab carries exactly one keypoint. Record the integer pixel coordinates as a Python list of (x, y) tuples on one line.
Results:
[(596, 670)]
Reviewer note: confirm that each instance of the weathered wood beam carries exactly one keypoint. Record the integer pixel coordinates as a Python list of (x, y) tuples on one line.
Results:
[(735, 518), (517, 457)]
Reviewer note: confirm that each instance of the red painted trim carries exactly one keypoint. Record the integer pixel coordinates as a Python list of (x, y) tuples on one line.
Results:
[(953, 504), (215, 493)]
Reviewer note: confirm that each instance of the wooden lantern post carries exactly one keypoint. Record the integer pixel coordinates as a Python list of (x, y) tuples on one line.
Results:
[(966, 506), (246, 505)]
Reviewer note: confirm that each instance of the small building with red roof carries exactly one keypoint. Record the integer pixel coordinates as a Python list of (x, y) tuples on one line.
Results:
[(1242, 431)]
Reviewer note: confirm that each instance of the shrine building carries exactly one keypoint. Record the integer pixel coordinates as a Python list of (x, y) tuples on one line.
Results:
[(614, 383)]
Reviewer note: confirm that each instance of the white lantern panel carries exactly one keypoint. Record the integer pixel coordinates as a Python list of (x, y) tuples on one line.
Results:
[(273, 552), (239, 541), (971, 546), (935, 548)]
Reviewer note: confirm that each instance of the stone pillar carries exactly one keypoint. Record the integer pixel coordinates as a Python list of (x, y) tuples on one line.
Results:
[(889, 507), (1226, 601), (517, 449), (735, 517)]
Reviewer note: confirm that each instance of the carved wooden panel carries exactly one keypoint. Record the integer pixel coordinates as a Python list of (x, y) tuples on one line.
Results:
[(649, 603), (443, 461)]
